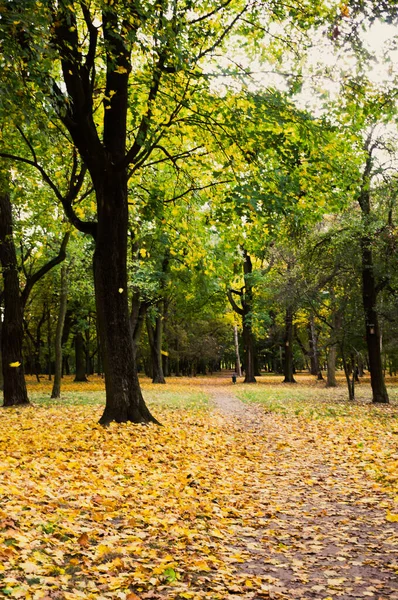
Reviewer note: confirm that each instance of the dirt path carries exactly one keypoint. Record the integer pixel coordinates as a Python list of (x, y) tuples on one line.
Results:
[(318, 530)]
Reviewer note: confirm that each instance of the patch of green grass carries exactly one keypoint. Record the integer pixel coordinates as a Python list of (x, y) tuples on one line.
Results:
[(161, 396), (317, 403), (68, 399), (177, 399)]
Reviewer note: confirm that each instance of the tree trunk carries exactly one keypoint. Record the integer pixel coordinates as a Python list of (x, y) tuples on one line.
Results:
[(1, 353), (80, 358), (249, 349), (347, 373), (124, 400), (63, 299), (155, 344), (369, 296), (369, 290), (313, 345), (238, 369), (288, 354), (108, 163), (331, 366), (49, 343), (15, 392), (246, 297)]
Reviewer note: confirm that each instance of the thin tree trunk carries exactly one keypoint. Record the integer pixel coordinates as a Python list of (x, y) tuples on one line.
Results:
[(80, 357), (49, 343), (15, 392), (238, 369), (248, 344), (331, 366), (313, 345), (350, 382), (1, 353), (63, 300), (155, 344), (288, 354)]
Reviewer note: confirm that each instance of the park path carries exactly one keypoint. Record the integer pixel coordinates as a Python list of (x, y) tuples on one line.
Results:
[(319, 530)]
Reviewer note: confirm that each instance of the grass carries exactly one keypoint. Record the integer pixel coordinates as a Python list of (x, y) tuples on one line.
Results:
[(310, 398), (176, 394)]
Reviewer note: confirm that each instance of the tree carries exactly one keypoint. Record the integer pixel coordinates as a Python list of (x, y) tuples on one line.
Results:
[(369, 284), (99, 46), (15, 392), (63, 298), (245, 295)]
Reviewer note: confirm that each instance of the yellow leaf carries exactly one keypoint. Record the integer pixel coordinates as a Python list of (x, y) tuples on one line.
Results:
[(345, 12), (392, 517), (15, 364)]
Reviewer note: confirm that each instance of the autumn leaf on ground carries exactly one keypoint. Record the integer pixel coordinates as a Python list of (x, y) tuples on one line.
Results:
[(245, 499)]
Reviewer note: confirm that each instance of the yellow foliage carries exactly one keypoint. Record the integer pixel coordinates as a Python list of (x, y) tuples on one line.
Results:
[(180, 511)]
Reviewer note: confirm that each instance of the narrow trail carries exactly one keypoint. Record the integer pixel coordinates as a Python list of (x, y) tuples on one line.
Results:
[(318, 529)]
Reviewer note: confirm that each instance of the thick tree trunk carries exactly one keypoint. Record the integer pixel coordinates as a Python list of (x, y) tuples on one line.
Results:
[(80, 358), (63, 299), (288, 354), (15, 392), (155, 345), (369, 288), (369, 296), (124, 401), (108, 163)]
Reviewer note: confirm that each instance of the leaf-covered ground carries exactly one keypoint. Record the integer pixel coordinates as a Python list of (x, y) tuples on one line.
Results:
[(290, 495)]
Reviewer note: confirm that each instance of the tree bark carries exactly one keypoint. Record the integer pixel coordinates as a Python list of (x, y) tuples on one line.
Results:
[(137, 317), (313, 345), (347, 373), (369, 290), (15, 392), (107, 161), (63, 300), (288, 354), (246, 298), (369, 296), (238, 369), (124, 400), (155, 344), (80, 358), (1, 353), (333, 345), (331, 366), (49, 344)]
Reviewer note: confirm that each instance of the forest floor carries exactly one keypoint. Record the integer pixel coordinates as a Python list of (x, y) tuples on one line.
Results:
[(246, 492)]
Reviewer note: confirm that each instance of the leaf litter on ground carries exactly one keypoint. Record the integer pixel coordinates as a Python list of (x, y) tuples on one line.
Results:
[(296, 506)]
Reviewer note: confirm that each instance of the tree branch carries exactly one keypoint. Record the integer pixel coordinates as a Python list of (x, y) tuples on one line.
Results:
[(89, 227), (45, 269), (231, 299)]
